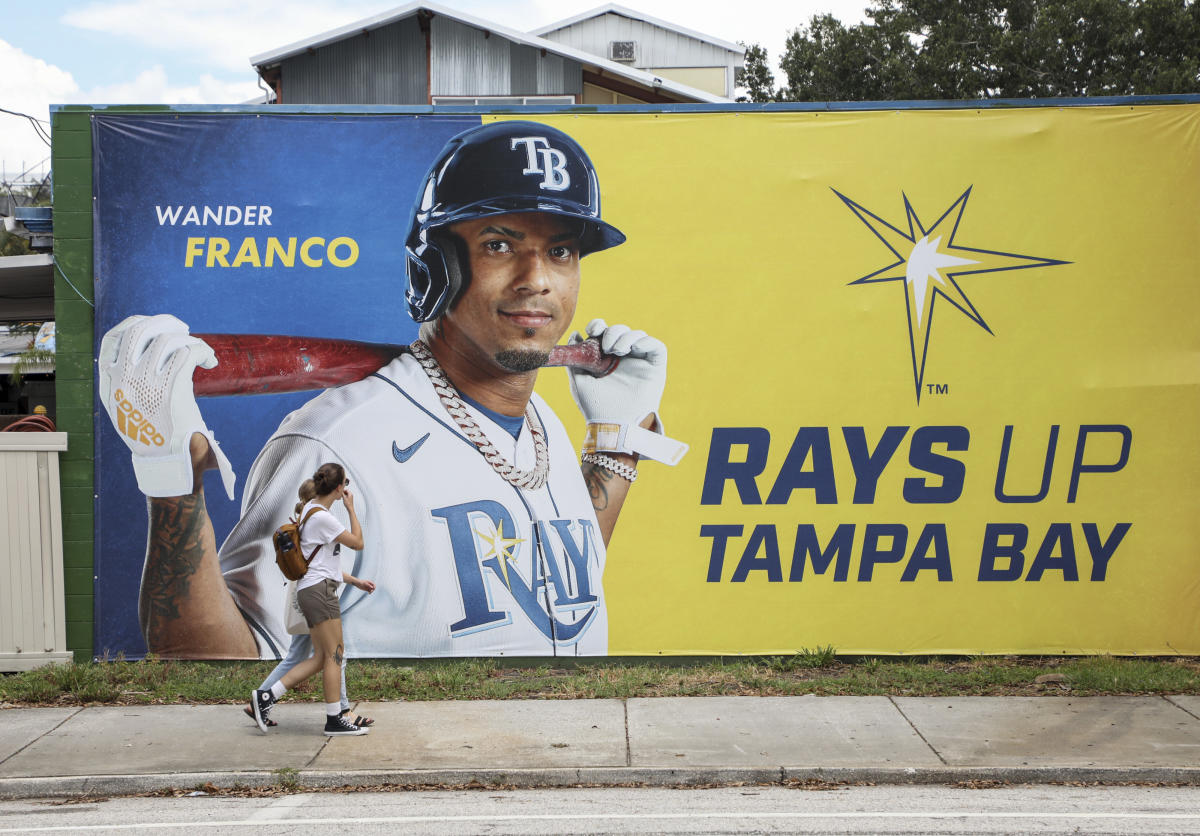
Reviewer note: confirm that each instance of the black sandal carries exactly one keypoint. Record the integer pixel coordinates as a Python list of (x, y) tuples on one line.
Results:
[(360, 721)]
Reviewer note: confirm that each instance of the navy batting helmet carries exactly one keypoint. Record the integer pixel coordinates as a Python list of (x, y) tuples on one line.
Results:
[(496, 169)]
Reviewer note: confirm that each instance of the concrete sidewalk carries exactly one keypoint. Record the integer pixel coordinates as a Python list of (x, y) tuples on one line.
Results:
[(668, 741)]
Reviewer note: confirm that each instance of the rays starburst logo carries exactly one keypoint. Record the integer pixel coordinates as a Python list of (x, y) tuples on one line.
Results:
[(502, 548), (927, 263)]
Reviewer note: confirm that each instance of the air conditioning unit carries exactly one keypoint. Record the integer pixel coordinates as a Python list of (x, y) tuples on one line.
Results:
[(624, 51)]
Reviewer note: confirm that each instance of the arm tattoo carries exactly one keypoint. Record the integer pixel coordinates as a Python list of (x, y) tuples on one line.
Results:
[(597, 478), (173, 555)]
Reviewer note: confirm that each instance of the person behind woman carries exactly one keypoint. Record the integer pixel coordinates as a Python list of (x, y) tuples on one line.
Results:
[(302, 647), (317, 597)]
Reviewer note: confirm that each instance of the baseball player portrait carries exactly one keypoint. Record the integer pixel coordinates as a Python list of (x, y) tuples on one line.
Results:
[(484, 529)]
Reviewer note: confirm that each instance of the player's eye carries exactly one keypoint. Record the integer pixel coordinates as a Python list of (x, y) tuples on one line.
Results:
[(497, 245), (562, 252)]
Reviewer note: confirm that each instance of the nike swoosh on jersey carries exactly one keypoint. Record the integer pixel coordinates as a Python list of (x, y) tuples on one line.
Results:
[(403, 454)]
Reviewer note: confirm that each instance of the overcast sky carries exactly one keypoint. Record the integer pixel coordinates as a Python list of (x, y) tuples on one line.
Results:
[(197, 51)]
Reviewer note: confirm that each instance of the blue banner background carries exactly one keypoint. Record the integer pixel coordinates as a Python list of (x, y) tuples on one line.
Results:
[(322, 175)]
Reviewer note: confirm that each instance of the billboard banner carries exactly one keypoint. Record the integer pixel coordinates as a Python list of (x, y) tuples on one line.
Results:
[(933, 368)]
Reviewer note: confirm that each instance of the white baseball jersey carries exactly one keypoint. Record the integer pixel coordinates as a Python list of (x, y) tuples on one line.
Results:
[(465, 563)]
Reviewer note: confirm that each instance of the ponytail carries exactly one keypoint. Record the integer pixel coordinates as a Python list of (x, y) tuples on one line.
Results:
[(307, 493), (328, 478)]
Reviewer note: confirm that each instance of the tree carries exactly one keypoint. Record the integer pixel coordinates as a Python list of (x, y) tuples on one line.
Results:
[(756, 77), (12, 244), (978, 49), (1167, 32), (33, 358), (827, 61)]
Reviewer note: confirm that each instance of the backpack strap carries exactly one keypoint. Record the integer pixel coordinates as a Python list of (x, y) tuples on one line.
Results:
[(299, 529)]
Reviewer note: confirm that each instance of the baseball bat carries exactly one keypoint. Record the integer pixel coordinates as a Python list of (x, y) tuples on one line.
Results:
[(258, 364)]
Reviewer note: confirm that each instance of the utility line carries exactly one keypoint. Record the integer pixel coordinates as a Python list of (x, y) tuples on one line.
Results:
[(33, 120)]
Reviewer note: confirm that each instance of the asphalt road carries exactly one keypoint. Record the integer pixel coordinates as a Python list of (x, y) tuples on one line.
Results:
[(981, 811)]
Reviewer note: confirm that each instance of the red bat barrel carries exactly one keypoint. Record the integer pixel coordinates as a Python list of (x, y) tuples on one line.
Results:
[(255, 364)]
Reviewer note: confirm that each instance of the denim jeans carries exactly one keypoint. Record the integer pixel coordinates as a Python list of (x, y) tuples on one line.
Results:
[(301, 649)]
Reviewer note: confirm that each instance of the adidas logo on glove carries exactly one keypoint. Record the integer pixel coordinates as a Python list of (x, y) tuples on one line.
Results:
[(132, 423)]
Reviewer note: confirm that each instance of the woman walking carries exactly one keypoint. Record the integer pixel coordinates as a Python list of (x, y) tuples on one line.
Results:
[(317, 597), (302, 646)]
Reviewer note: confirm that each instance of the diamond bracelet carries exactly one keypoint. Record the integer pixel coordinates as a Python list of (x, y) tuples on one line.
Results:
[(626, 472)]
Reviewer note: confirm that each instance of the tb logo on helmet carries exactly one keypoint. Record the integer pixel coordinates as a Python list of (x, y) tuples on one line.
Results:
[(554, 173)]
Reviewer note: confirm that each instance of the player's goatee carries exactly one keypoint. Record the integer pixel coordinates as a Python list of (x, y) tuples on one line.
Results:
[(525, 360)]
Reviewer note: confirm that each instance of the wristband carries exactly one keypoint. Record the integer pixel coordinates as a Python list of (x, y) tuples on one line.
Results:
[(163, 476), (172, 475), (629, 474), (607, 437)]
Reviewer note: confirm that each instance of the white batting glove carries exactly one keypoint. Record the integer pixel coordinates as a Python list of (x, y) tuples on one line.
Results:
[(145, 370), (615, 405)]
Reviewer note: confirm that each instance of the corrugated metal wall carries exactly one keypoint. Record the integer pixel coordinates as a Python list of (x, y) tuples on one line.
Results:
[(523, 71), (470, 62), (656, 47), (33, 629), (559, 76), (388, 66), (466, 62), (385, 66)]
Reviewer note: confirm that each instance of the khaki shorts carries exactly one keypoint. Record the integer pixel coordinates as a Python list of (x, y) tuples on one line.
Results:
[(319, 602)]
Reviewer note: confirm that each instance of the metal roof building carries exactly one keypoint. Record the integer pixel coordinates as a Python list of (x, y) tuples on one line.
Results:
[(652, 45), (423, 53)]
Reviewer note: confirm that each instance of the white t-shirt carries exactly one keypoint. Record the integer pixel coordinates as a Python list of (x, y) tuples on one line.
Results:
[(465, 563), (321, 530)]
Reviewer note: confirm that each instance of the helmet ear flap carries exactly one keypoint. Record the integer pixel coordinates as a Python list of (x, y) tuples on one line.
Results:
[(438, 272), (456, 259), (419, 283)]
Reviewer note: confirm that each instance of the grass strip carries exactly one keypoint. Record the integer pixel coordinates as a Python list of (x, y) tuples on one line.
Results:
[(823, 673)]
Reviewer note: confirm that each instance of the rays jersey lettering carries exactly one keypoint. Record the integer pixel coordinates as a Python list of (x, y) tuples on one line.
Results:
[(549, 579), (548, 162)]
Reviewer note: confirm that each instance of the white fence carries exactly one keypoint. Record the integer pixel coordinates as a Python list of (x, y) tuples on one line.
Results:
[(33, 628)]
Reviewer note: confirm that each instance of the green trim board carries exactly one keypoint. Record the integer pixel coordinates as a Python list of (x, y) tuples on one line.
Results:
[(71, 167)]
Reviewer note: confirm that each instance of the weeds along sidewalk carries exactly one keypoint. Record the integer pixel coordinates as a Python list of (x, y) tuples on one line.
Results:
[(821, 672)]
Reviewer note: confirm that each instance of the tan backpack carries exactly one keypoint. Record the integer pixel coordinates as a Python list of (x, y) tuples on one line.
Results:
[(288, 554)]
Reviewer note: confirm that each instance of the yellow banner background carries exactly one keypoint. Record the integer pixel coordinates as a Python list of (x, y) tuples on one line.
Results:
[(741, 257)]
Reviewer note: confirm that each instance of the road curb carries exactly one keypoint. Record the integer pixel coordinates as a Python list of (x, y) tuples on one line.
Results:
[(305, 780)]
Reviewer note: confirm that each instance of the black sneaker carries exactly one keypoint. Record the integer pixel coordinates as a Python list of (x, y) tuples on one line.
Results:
[(339, 726), (261, 702)]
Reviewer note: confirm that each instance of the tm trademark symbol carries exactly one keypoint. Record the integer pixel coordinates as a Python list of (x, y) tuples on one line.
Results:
[(938, 388)]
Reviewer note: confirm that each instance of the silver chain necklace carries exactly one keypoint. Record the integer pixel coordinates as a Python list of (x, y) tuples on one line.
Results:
[(531, 479)]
